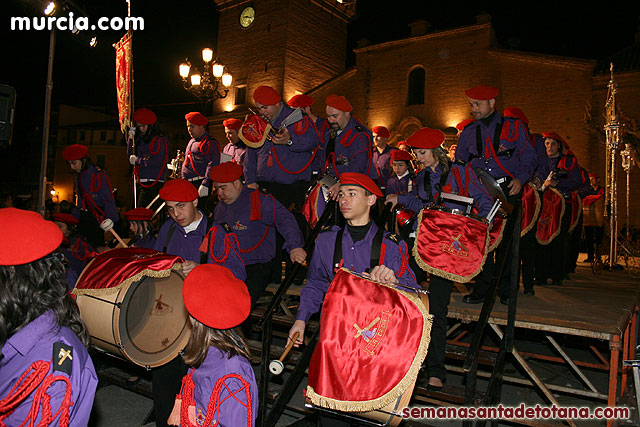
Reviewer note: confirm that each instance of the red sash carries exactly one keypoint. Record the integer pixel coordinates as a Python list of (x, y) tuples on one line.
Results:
[(310, 206), (450, 246), (531, 205), (550, 220), (372, 343), (576, 210)]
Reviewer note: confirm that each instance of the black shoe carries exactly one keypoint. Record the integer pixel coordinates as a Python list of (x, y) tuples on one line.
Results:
[(473, 299), (431, 387), (529, 291), (505, 300)]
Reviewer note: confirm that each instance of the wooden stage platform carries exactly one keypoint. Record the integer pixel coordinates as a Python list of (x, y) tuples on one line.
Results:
[(600, 307)]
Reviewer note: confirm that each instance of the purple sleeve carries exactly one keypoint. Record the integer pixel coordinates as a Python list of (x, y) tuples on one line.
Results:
[(573, 179), (306, 141), (233, 410), (213, 159), (105, 194), (320, 276), (526, 155), (157, 162)]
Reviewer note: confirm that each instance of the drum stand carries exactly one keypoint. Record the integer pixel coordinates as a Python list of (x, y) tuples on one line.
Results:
[(494, 389)]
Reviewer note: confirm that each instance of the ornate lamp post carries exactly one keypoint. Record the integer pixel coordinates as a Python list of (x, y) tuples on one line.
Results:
[(212, 84)]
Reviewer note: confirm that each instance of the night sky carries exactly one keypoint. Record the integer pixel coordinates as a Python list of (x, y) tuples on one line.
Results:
[(174, 30)]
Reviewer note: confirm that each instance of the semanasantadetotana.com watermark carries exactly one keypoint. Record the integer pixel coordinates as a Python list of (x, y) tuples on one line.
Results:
[(71, 23)]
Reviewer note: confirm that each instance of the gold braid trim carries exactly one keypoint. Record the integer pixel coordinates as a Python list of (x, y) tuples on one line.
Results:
[(144, 273), (573, 226), (536, 214), (445, 274), (500, 235), (554, 235), (407, 381)]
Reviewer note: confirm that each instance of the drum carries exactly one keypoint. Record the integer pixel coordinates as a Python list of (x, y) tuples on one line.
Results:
[(373, 341), (316, 199), (141, 318), (593, 213), (405, 220), (450, 243)]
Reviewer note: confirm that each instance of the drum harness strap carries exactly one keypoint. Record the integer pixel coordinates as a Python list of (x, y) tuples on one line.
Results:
[(496, 147), (429, 190), (376, 249)]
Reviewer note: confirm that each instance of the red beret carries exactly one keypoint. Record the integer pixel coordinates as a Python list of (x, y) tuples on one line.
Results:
[(301, 101), (144, 116), (234, 124), (463, 124), (339, 103), (178, 190), (361, 180), (75, 152), (215, 297), (516, 113), (66, 218), (225, 172), (482, 93), (26, 236), (196, 118), (266, 95), (594, 175), (381, 131), (139, 214), (557, 137), (426, 138), (400, 155)]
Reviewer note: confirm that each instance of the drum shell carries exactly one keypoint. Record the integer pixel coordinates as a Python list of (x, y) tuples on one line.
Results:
[(593, 215), (128, 322)]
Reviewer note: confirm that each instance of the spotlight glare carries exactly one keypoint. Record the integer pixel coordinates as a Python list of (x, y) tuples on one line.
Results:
[(93, 42), (50, 8)]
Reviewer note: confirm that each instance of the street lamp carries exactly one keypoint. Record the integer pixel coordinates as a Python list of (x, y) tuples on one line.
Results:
[(213, 83)]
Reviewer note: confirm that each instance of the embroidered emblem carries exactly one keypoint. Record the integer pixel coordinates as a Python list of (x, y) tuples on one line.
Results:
[(200, 417), (143, 256), (373, 336), (62, 357), (160, 307), (456, 248), (239, 226)]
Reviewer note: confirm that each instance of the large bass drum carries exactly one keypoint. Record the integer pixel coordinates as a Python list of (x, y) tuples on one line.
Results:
[(131, 303)]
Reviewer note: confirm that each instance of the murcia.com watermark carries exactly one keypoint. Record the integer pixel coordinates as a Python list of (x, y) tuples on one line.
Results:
[(71, 23)]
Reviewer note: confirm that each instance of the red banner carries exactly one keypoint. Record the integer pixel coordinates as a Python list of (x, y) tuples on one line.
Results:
[(123, 80), (115, 268), (497, 231), (372, 343), (531, 205), (576, 210), (449, 245), (254, 131), (550, 221)]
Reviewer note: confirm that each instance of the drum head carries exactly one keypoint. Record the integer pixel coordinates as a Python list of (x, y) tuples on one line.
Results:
[(153, 322)]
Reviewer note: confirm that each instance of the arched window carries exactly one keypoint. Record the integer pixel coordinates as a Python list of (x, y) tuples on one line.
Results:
[(415, 94)]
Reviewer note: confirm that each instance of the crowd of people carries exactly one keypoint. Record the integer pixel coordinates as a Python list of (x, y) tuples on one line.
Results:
[(258, 187)]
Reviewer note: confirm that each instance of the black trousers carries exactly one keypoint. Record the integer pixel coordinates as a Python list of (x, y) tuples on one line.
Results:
[(593, 239), (166, 381), (439, 296), (556, 253), (528, 251), (575, 237), (258, 279)]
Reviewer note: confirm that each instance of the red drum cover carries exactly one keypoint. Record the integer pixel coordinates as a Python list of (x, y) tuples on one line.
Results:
[(313, 205), (576, 210), (254, 131), (550, 217), (373, 340), (497, 231), (450, 246), (531, 205)]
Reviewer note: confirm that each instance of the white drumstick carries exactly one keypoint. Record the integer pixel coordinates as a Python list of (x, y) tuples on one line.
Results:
[(107, 225), (276, 366)]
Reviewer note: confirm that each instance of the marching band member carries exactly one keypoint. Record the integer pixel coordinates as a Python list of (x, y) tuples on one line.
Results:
[(437, 176), (74, 247), (220, 388), (255, 218), (235, 148), (561, 171), (141, 228), (500, 146), (152, 149), (184, 235), (403, 177), (357, 194), (304, 102), (46, 374), (95, 201), (382, 154), (593, 233), (202, 153)]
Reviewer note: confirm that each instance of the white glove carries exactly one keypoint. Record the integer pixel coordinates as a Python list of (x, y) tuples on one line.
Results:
[(132, 132), (203, 191), (133, 159)]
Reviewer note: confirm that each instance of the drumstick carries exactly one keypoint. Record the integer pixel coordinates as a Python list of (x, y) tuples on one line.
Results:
[(153, 201), (158, 210), (107, 225), (288, 347), (276, 366)]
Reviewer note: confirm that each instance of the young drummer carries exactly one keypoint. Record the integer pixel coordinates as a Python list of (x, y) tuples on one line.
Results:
[(402, 180), (141, 228), (220, 388)]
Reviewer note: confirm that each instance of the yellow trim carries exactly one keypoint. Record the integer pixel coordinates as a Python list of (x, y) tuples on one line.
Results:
[(255, 144), (536, 214)]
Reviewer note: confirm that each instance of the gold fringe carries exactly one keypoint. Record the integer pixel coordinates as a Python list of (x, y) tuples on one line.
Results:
[(554, 235), (534, 219), (126, 282), (500, 235), (573, 226), (441, 273), (397, 391)]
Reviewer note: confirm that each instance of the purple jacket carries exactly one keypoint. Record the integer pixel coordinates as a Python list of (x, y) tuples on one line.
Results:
[(382, 163), (514, 157), (35, 342), (199, 157), (357, 258), (78, 253), (233, 410), (418, 198), (237, 152), (95, 194), (352, 152), (187, 245), (283, 164), (568, 178), (152, 156), (257, 237), (397, 185)]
